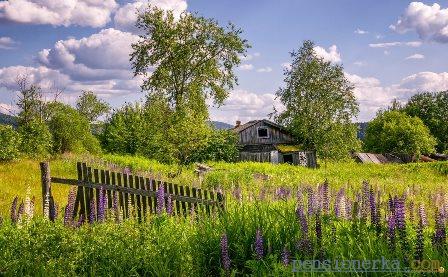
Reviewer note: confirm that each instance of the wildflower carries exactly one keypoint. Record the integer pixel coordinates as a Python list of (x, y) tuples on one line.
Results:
[(81, 221), (422, 214), (400, 213), (440, 231), (318, 230), (311, 201), (340, 205), (303, 223), (28, 206), (283, 193), (420, 243), (92, 214), (169, 205), (325, 198), (115, 205), (411, 211), (259, 248), (237, 194), (286, 256), (305, 246), (225, 259), (373, 213), (365, 196), (14, 210), (101, 205), (160, 199), (20, 213), (69, 209), (391, 232)]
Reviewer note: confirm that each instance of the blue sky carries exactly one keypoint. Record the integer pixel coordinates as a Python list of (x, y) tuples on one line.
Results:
[(389, 49)]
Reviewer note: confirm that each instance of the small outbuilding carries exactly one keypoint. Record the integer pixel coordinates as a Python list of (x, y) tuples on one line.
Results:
[(265, 141)]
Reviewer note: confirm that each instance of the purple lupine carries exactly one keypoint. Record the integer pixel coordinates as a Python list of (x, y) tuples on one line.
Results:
[(169, 205), (365, 196), (259, 246), (115, 205), (20, 212), (419, 246), (373, 212), (282, 193), (101, 205), (348, 208), (70, 208), (14, 210), (262, 194), (286, 256), (325, 198), (160, 199), (422, 214), (411, 211), (440, 231), (92, 215), (339, 205), (305, 246), (225, 259), (400, 213), (391, 232), (391, 205), (303, 223), (81, 221), (311, 201), (318, 230)]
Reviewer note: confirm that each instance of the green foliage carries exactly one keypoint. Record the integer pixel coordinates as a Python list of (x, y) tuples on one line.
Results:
[(91, 107), (320, 104), (9, 143), (36, 138), (432, 109), (221, 146), (70, 130), (396, 132), (186, 59)]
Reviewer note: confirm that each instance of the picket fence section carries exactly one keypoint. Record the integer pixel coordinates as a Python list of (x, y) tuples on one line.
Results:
[(134, 194)]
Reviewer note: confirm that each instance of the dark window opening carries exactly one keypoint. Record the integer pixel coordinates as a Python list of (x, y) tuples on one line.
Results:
[(287, 158), (262, 132)]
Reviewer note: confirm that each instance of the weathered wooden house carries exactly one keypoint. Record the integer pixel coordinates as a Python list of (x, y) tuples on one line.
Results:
[(266, 141)]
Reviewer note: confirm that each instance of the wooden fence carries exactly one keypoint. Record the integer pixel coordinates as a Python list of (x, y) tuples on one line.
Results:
[(132, 193)]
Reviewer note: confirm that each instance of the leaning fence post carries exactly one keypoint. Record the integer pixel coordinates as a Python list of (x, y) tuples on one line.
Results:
[(46, 184)]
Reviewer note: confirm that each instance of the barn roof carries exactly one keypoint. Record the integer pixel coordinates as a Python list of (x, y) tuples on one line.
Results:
[(248, 124)]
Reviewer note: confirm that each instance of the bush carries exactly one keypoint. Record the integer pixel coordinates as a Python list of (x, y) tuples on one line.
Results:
[(9, 143), (221, 146), (36, 138), (396, 132)]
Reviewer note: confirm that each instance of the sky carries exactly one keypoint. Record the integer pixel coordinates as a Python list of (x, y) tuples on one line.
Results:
[(388, 49)]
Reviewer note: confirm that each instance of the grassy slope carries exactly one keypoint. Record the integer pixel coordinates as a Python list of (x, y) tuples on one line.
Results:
[(427, 177)]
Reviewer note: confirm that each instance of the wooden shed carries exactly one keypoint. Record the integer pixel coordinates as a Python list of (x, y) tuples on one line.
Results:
[(266, 141)]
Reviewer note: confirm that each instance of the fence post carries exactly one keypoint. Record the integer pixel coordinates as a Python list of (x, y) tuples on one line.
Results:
[(46, 183), (221, 201)]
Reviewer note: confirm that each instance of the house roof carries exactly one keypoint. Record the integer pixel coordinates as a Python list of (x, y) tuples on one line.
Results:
[(288, 148), (248, 124)]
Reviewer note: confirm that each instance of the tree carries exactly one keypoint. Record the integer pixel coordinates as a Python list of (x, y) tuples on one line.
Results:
[(90, 106), (186, 59), (319, 104), (70, 130), (9, 143), (221, 146), (395, 132), (432, 109)]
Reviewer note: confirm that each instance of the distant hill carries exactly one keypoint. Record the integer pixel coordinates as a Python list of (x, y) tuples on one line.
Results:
[(8, 119), (221, 125)]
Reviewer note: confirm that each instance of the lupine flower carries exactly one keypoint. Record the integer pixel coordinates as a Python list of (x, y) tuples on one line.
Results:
[(262, 194), (305, 246), (440, 231), (169, 205), (303, 223), (311, 201), (318, 230), (400, 213), (101, 205), (160, 199), (225, 259), (422, 214), (419, 243), (283, 193), (92, 214), (340, 205), (365, 196), (20, 213), (391, 205), (325, 198), (115, 204), (411, 211), (286, 256), (259, 247), (69, 209), (81, 221), (391, 232), (373, 212), (14, 210)]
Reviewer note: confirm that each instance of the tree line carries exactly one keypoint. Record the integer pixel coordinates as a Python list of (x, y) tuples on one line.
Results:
[(188, 61)]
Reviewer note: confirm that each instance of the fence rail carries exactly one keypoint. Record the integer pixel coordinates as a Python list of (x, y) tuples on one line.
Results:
[(129, 192)]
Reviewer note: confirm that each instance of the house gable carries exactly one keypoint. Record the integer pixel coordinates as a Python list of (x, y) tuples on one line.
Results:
[(262, 132)]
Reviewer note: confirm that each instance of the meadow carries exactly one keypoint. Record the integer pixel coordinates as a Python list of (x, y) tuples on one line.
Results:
[(274, 214)]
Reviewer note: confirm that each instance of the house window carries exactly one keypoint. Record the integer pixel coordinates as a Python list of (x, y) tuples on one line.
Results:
[(263, 132)]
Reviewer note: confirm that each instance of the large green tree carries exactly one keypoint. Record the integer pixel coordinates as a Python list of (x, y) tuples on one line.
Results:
[(432, 109), (398, 133), (319, 104), (186, 59), (90, 106)]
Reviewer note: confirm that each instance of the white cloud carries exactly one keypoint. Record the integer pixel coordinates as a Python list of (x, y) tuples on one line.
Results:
[(360, 32), (426, 81), (415, 57), (386, 52), (93, 13), (41, 75), (101, 56), (245, 67), (264, 69), (126, 16), (396, 43), (430, 22), (360, 63), (332, 55), (7, 43)]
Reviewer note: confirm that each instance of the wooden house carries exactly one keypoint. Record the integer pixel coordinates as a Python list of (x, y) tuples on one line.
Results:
[(266, 141)]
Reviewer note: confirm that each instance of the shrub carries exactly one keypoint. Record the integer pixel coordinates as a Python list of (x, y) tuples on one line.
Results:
[(221, 146), (396, 132), (36, 138), (9, 143)]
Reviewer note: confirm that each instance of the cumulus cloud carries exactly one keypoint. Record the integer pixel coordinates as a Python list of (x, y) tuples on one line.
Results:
[(264, 69), (245, 67), (415, 57), (426, 81), (332, 55), (93, 13), (101, 56), (360, 32), (396, 43), (41, 75), (430, 22), (126, 16), (245, 106), (7, 43)]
